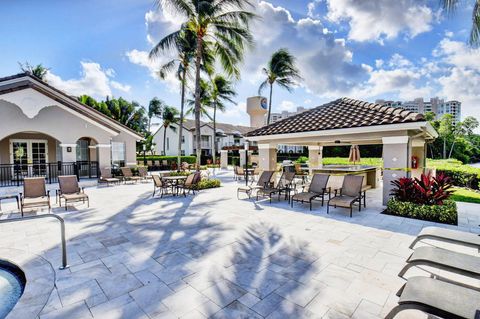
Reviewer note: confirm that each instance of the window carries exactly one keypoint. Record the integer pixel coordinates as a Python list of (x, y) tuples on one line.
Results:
[(168, 143), (182, 152), (82, 150), (118, 153), (183, 139)]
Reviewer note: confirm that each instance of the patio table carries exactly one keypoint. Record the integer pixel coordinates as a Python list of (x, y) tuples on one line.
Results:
[(174, 180), (9, 197)]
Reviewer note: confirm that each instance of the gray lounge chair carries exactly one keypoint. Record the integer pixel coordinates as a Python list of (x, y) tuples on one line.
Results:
[(318, 188), (349, 194), (107, 177), (463, 264), (128, 175), (159, 184), (284, 184), (263, 181), (437, 298), (449, 236), (143, 173)]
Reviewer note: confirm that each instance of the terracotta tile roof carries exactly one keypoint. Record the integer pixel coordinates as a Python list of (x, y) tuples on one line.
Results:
[(341, 113)]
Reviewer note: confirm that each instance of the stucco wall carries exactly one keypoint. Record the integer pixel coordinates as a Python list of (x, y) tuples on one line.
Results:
[(187, 146), (5, 145)]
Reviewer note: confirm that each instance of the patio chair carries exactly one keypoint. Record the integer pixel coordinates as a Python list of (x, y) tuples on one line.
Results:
[(437, 298), (165, 164), (185, 166), (159, 184), (263, 181), (238, 173), (350, 193), (318, 188), (128, 175), (34, 194), (191, 183), (284, 185), (462, 264), (70, 191), (449, 236), (106, 177), (143, 173)]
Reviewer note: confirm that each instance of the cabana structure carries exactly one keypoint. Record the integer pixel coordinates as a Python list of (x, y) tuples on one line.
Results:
[(346, 121)]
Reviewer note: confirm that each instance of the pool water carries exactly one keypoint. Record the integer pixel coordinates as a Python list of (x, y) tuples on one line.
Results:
[(12, 282)]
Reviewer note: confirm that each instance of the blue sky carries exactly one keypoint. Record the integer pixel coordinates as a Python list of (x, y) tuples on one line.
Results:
[(362, 49)]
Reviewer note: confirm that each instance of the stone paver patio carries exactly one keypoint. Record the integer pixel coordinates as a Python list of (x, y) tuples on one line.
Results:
[(211, 255)]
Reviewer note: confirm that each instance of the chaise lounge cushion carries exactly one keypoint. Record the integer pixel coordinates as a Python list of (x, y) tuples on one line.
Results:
[(35, 201), (450, 299), (306, 196), (449, 235), (74, 197), (342, 201)]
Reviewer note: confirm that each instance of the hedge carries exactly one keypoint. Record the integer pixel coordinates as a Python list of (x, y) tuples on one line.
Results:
[(446, 213), (209, 183), (461, 175), (170, 159)]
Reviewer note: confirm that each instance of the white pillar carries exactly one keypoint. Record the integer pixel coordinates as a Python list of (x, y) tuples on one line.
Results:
[(69, 152), (243, 157), (315, 156), (419, 152), (223, 159), (267, 154), (396, 161), (104, 155)]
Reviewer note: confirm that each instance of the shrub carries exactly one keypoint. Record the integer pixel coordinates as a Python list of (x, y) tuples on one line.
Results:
[(461, 175), (182, 173), (446, 213), (302, 160), (425, 190), (209, 183)]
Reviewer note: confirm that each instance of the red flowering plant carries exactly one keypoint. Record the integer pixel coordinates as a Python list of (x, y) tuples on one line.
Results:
[(426, 190)]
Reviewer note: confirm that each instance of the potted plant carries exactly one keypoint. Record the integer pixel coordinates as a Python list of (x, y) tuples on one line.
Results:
[(425, 198)]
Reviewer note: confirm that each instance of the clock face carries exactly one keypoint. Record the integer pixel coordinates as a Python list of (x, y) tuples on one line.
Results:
[(263, 103)]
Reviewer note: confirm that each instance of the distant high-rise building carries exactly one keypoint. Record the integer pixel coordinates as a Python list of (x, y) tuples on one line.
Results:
[(435, 105), (275, 117)]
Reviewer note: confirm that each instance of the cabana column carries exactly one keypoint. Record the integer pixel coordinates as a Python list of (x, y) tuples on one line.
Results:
[(267, 154), (397, 151)]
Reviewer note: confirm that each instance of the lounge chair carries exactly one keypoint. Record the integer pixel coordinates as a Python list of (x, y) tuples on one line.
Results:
[(70, 191), (318, 188), (437, 298), (106, 177), (34, 194), (143, 173), (128, 175), (159, 184), (449, 236), (284, 185), (191, 183), (262, 182), (462, 264), (350, 193)]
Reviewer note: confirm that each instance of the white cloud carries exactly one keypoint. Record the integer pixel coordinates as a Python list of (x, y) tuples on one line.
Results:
[(287, 106), (381, 19), (93, 81)]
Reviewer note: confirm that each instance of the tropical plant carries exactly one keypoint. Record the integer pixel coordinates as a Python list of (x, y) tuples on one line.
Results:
[(451, 5), (169, 117), (426, 190), (223, 26), (281, 70), (222, 92), (184, 45), (155, 108), (403, 189), (38, 70), (205, 100)]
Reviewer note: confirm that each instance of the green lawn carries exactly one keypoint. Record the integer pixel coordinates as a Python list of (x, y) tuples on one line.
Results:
[(466, 195)]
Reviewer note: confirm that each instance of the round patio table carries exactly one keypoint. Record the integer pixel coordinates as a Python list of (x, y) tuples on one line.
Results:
[(174, 180)]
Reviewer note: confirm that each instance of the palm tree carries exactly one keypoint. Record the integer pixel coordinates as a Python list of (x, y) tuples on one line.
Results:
[(281, 69), (155, 108), (221, 92), (38, 70), (185, 44), (222, 25), (169, 117), (451, 5)]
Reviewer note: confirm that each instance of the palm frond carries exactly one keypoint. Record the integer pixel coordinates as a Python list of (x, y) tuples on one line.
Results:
[(475, 32), (166, 68), (183, 7), (167, 43), (262, 87)]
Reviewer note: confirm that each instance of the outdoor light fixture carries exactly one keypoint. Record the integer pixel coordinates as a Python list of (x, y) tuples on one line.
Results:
[(246, 147)]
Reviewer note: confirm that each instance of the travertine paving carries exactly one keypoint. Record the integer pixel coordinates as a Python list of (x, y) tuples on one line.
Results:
[(212, 255)]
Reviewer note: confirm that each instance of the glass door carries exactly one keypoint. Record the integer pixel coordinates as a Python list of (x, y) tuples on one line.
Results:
[(39, 158), (19, 154), (30, 157)]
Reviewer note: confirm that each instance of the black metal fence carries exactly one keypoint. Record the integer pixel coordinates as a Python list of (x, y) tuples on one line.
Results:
[(13, 174)]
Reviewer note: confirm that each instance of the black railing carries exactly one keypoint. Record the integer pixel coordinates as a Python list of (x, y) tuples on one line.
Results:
[(13, 174)]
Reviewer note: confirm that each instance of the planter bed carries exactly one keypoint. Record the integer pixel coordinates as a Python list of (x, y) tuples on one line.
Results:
[(445, 214)]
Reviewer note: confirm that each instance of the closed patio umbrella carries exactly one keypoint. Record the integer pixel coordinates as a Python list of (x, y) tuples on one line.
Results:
[(354, 154)]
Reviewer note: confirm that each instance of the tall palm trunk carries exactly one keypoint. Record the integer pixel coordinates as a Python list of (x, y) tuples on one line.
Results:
[(164, 139), (444, 147), (214, 132), (198, 61), (270, 104), (451, 149), (180, 128)]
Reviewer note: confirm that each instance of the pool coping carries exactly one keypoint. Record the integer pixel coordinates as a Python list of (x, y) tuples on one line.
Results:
[(40, 282)]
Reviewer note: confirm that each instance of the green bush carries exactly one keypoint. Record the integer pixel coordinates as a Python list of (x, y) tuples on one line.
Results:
[(461, 175), (370, 161), (170, 159), (302, 160), (209, 183), (446, 213), (179, 174)]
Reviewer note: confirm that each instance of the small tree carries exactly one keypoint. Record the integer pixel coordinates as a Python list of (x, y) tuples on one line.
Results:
[(169, 117), (38, 70)]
